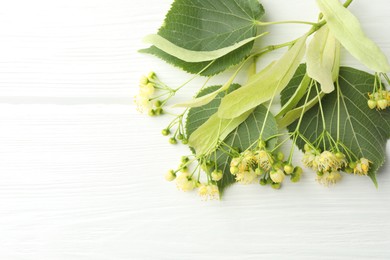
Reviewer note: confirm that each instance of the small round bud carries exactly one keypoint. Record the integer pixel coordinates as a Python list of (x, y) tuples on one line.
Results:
[(288, 169), (319, 173), (184, 159), (152, 112), (216, 175), (382, 104), (276, 186), (180, 137), (280, 156), (184, 168), (306, 147), (184, 141), (352, 165), (340, 155), (371, 103), (295, 177), (298, 170), (151, 75), (233, 170), (277, 176), (263, 182), (165, 132), (259, 171), (143, 81), (172, 140), (159, 111), (170, 175), (158, 103)]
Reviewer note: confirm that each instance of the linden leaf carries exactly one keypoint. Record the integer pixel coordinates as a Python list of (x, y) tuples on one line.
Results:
[(361, 130), (209, 25), (264, 85), (241, 137), (347, 29)]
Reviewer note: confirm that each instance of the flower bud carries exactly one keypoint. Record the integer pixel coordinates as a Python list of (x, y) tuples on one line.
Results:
[(172, 140), (288, 169), (263, 182), (382, 104), (277, 176), (165, 132), (143, 81), (216, 175), (371, 103), (298, 170), (233, 170), (170, 175), (276, 186)]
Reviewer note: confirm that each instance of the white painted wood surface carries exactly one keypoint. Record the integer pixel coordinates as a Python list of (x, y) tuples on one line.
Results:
[(81, 172)]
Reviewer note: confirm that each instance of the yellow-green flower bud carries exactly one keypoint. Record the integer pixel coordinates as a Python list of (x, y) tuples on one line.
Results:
[(170, 175), (144, 80), (371, 103), (277, 176), (151, 75), (159, 111), (172, 140), (184, 141), (233, 170), (382, 104), (263, 182), (276, 186), (165, 132), (298, 170), (216, 175), (288, 169), (152, 112), (262, 144)]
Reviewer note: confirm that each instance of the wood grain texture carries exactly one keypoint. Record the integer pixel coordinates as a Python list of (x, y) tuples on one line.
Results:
[(81, 172)]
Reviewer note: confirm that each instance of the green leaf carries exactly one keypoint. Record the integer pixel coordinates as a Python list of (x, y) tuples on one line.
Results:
[(264, 85), (362, 130), (347, 29), (241, 137), (193, 56), (209, 25)]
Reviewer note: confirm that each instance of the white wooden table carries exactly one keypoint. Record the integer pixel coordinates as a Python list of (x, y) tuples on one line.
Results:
[(81, 172)]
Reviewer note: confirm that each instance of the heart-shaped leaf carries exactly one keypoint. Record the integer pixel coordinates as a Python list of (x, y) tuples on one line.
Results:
[(360, 129), (242, 137), (209, 25)]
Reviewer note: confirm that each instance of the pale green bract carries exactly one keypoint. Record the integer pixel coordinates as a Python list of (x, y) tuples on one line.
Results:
[(205, 139), (322, 59), (264, 85), (194, 56), (347, 29)]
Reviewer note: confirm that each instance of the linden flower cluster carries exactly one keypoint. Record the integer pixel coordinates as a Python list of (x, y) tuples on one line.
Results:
[(261, 163), (186, 182), (379, 100), (328, 165), (145, 100)]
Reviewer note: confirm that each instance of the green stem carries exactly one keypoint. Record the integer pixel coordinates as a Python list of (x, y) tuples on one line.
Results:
[(347, 3), (284, 22)]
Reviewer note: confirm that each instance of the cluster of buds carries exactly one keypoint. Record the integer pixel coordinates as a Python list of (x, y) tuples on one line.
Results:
[(328, 165), (251, 164), (144, 99), (186, 182), (379, 100)]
